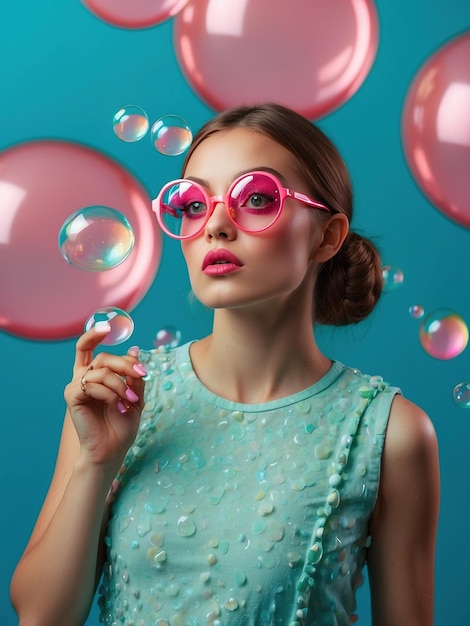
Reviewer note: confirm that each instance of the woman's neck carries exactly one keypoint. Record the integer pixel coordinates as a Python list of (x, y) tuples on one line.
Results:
[(256, 358)]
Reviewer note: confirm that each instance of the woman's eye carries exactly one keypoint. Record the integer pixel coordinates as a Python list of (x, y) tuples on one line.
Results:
[(194, 209), (258, 201)]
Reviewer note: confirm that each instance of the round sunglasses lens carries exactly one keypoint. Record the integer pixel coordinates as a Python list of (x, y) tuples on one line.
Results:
[(182, 207), (255, 202)]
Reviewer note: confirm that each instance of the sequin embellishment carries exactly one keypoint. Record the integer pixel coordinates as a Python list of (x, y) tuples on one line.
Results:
[(227, 514)]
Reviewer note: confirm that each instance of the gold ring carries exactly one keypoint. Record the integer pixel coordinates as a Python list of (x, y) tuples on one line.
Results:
[(83, 380)]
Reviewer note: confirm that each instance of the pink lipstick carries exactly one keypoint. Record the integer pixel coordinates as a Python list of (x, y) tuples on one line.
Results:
[(218, 262)]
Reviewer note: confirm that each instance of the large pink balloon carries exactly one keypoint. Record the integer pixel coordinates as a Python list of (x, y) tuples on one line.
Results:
[(134, 13), (436, 129), (310, 55), (41, 184)]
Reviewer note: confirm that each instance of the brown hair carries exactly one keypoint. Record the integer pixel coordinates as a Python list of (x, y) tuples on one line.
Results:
[(349, 284)]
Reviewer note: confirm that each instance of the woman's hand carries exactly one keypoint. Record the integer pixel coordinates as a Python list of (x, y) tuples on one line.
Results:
[(105, 400)]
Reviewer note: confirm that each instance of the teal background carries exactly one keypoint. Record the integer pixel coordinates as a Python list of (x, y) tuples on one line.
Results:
[(64, 73)]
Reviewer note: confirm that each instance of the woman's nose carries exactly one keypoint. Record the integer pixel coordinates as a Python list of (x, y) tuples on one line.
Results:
[(219, 223)]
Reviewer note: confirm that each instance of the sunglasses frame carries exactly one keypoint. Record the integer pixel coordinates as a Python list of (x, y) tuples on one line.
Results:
[(212, 201)]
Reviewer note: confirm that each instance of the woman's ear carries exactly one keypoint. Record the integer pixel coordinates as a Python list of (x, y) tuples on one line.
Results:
[(334, 233)]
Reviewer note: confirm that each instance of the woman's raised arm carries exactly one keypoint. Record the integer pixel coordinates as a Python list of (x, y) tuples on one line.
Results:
[(55, 580)]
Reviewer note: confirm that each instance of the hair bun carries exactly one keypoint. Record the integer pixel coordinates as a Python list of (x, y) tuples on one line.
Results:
[(349, 284)]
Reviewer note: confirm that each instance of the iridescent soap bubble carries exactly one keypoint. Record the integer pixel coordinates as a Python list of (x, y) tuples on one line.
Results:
[(122, 325), (416, 311), (168, 336), (96, 238), (392, 278), (461, 395), (131, 123), (443, 334), (171, 135)]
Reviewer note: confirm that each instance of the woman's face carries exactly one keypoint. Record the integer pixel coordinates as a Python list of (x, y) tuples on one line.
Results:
[(260, 266)]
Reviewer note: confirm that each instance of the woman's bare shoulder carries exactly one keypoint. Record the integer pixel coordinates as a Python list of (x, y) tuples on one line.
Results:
[(410, 432)]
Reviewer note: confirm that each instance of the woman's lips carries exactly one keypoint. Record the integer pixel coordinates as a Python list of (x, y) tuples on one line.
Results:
[(220, 261)]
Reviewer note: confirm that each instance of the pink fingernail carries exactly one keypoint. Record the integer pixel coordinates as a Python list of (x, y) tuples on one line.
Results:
[(122, 407), (133, 351), (102, 326), (131, 395), (140, 369)]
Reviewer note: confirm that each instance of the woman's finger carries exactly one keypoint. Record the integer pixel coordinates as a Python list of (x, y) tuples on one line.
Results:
[(87, 343), (124, 365)]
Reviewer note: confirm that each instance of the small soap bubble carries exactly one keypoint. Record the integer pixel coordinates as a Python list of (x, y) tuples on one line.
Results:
[(122, 325), (96, 239), (461, 395), (168, 336), (443, 334), (171, 135), (392, 278), (416, 311), (131, 123)]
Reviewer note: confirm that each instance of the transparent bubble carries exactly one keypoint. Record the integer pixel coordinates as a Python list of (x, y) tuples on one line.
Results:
[(171, 135), (168, 336), (443, 334), (96, 238), (131, 123), (461, 395), (416, 311), (392, 278), (122, 325)]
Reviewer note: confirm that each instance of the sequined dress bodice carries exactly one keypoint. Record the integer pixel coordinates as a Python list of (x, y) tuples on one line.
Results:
[(229, 514)]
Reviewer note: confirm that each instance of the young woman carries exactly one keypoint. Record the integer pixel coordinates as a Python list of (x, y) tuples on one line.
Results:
[(260, 476)]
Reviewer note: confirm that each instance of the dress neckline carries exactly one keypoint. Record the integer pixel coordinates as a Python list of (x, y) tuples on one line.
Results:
[(183, 360)]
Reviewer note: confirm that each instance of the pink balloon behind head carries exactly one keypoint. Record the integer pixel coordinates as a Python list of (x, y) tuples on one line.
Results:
[(134, 13), (436, 129), (311, 56), (41, 184)]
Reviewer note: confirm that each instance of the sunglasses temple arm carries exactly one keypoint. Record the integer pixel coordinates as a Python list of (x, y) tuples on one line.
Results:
[(306, 200)]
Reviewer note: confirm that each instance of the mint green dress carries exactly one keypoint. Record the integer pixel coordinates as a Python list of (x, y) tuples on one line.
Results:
[(229, 514)]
